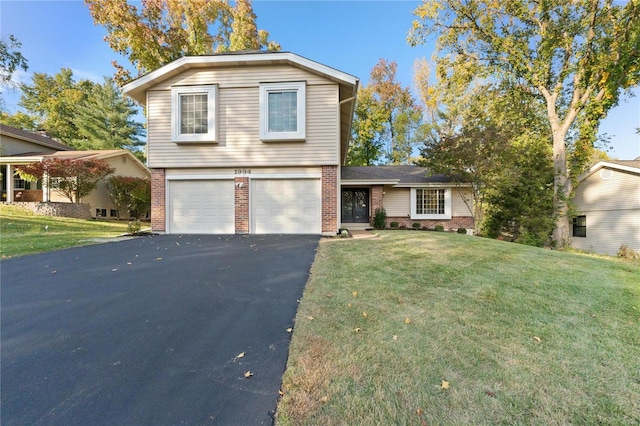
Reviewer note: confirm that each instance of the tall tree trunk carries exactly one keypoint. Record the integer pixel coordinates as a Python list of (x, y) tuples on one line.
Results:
[(562, 188)]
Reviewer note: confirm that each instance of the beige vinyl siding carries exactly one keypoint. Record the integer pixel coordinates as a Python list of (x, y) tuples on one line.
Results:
[(458, 205), (612, 209), (397, 201), (250, 76), (238, 118)]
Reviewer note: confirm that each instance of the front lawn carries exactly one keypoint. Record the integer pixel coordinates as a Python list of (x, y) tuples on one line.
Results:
[(430, 328), (23, 232)]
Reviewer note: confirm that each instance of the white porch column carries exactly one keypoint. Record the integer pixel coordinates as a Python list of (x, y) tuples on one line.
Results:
[(9, 183), (45, 188)]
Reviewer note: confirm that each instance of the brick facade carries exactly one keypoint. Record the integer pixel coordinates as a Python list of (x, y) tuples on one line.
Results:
[(330, 199), (377, 195), (158, 201), (454, 223), (242, 205)]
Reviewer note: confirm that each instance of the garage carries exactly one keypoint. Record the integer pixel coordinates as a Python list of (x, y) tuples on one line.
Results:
[(201, 207), (286, 206)]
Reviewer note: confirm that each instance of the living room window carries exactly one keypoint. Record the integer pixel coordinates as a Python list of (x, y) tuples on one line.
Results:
[(194, 114), (580, 226), (430, 203), (282, 111)]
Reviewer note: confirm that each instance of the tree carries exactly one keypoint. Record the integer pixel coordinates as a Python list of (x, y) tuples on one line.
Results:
[(105, 120), (577, 57), (401, 114), (367, 146), (11, 59), (244, 31), (52, 102), (130, 194), (73, 179), (162, 31)]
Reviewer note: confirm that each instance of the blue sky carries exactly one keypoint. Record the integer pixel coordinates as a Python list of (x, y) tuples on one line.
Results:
[(348, 35)]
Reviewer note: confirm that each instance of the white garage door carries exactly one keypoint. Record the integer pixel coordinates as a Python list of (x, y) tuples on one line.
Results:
[(201, 207), (286, 206)]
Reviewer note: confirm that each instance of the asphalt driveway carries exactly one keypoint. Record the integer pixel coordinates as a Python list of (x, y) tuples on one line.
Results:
[(149, 331)]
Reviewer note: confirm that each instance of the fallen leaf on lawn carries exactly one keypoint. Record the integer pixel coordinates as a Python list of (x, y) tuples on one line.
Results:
[(395, 337), (444, 385), (419, 411), (357, 329), (280, 392), (159, 258), (364, 314), (349, 305), (310, 318), (289, 330), (537, 339), (324, 399), (355, 294), (491, 394), (248, 374), (240, 355), (407, 320)]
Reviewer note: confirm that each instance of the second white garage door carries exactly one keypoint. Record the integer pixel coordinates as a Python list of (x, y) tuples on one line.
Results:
[(286, 206), (201, 207)]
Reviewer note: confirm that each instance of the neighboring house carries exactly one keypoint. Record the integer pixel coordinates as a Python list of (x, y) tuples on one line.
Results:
[(607, 205), (253, 142), (20, 147)]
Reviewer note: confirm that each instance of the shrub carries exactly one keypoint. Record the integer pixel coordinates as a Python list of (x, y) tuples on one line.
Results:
[(462, 230), (134, 227), (394, 224), (627, 252), (439, 228), (380, 218), (416, 225)]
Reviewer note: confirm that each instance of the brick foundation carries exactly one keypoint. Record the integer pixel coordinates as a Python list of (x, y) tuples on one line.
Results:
[(377, 195), (329, 200), (454, 223), (158, 201), (242, 205), (73, 210)]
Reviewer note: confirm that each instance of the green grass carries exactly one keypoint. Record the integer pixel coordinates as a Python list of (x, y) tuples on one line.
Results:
[(23, 232), (522, 335)]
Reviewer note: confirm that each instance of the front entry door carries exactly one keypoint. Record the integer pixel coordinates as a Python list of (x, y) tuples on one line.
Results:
[(355, 205)]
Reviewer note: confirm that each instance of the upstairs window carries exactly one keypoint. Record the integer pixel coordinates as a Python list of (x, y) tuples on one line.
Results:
[(282, 111), (430, 203), (194, 114), (580, 226)]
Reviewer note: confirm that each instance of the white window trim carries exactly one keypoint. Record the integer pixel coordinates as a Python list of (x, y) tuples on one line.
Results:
[(300, 89), (447, 206), (212, 121)]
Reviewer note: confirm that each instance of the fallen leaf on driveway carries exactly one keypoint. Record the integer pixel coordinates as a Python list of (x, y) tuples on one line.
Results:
[(159, 258), (289, 330), (240, 355), (115, 269), (248, 374)]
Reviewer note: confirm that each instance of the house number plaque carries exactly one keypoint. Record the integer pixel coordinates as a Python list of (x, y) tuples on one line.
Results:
[(243, 171)]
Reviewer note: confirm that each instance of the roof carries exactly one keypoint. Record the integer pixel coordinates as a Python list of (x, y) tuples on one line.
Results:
[(392, 175), (629, 166), (72, 155), (33, 138), (137, 88)]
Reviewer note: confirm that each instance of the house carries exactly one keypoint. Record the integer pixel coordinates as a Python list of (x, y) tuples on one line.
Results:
[(408, 194), (20, 147), (253, 142), (607, 206)]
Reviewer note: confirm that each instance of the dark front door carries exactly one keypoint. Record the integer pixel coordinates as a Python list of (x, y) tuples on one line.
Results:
[(355, 205)]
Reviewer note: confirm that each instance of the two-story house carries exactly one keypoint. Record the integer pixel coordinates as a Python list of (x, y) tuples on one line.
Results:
[(253, 142)]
